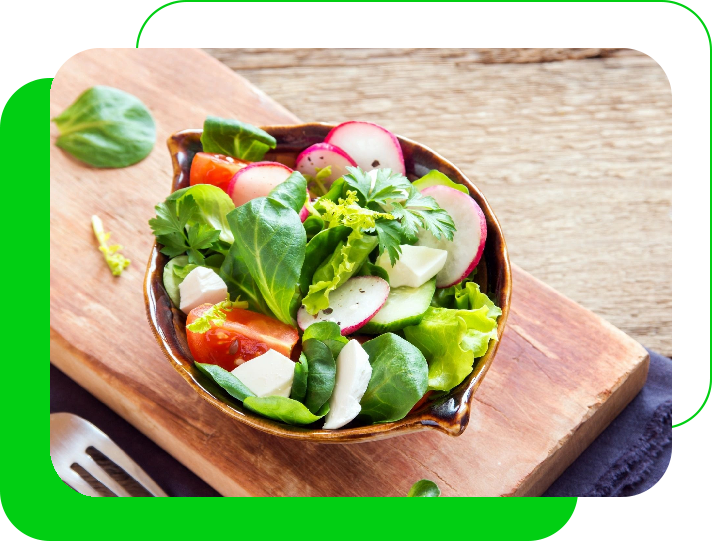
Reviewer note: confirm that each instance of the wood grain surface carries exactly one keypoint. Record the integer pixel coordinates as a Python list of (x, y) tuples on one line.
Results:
[(575, 154), (560, 376)]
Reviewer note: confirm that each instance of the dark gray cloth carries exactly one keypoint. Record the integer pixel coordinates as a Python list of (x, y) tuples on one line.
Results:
[(628, 458), (632, 454)]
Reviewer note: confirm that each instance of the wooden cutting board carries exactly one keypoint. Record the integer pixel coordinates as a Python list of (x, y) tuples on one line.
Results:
[(560, 376)]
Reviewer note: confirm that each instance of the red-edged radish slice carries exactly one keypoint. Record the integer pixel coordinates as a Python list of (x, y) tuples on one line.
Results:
[(465, 250), (370, 145), (304, 214), (352, 305), (256, 180), (321, 155)]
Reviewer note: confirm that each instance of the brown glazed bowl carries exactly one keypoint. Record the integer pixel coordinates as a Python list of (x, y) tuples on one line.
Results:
[(448, 413)]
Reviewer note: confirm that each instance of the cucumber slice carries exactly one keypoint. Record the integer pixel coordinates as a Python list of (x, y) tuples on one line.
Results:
[(404, 307), (171, 281)]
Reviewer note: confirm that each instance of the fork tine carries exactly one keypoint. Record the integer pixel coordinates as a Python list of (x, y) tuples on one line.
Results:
[(74, 480), (114, 453), (104, 478)]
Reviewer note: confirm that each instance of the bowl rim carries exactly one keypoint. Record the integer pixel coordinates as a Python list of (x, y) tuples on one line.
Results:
[(458, 399)]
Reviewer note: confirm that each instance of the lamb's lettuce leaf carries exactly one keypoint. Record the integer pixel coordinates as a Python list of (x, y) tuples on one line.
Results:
[(321, 376), (424, 489), (226, 380), (236, 139), (292, 192), (399, 379), (240, 283), (329, 333), (284, 409), (299, 384), (271, 242)]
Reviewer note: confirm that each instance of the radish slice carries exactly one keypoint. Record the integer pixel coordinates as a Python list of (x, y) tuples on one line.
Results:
[(465, 250), (256, 180), (352, 305), (322, 155), (370, 145)]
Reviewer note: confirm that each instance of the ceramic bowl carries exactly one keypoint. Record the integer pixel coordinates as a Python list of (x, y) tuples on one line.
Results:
[(449, 413)]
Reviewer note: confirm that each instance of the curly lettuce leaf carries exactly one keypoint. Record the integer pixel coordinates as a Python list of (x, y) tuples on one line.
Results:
[(342, 265), (436, 178), (451, 339)]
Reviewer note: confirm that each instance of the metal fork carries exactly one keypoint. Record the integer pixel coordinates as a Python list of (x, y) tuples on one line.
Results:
[(70, 437)]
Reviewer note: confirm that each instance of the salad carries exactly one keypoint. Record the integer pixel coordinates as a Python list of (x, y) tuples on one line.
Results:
[(336, 292)]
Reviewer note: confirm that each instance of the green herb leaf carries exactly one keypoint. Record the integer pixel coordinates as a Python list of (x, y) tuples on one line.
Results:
[(240, 283), (292, 192), (226, 380), (318, 249), (211, 207), (398, 381), (389, 238), (432, 217), (284, 409), (329, 333), (236, 139), (321, 375), (106, 127), (215, 316), (116, 261), (424, 489), (301, 374), (272, 244), (436, 178), (342, 265)]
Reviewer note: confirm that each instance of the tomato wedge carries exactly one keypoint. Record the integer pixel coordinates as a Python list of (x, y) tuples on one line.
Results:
[(244, 336), (214, 169)]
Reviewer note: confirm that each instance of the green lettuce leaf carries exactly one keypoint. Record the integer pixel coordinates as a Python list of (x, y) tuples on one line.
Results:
[(301, 376), (226, 380), (329, 333), (272, 244), (213, 206), (292, 192), (236, 139), (424, 489), (451, 339), (436, 178), (318, 250), (284, 409), (240, 283), (321, 375), (342, 265)]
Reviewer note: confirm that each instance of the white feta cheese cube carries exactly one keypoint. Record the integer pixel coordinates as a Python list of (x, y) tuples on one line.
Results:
[(202, 285), (270, 374), (353, 372), (417, 265)]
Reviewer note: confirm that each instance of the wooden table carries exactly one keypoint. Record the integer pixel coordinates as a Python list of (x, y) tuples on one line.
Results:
[(573, 148)]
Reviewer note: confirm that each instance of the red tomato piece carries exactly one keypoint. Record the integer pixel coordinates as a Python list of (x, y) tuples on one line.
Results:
[(244, 336), (214, 169)]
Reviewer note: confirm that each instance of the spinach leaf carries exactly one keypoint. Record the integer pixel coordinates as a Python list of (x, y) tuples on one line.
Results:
[(240, 283), (398, 381), (313, 225), (329, 333), (318, 250), (299, 385), (213, 206), (322, 374), (284, 409), (424, 489), (371, 269), (106, 127), (236, 139), (272, 244), (292, 192), (226, 380)]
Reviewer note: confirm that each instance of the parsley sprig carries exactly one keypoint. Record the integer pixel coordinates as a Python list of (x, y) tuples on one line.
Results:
[(410, 210), (172, 230)]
